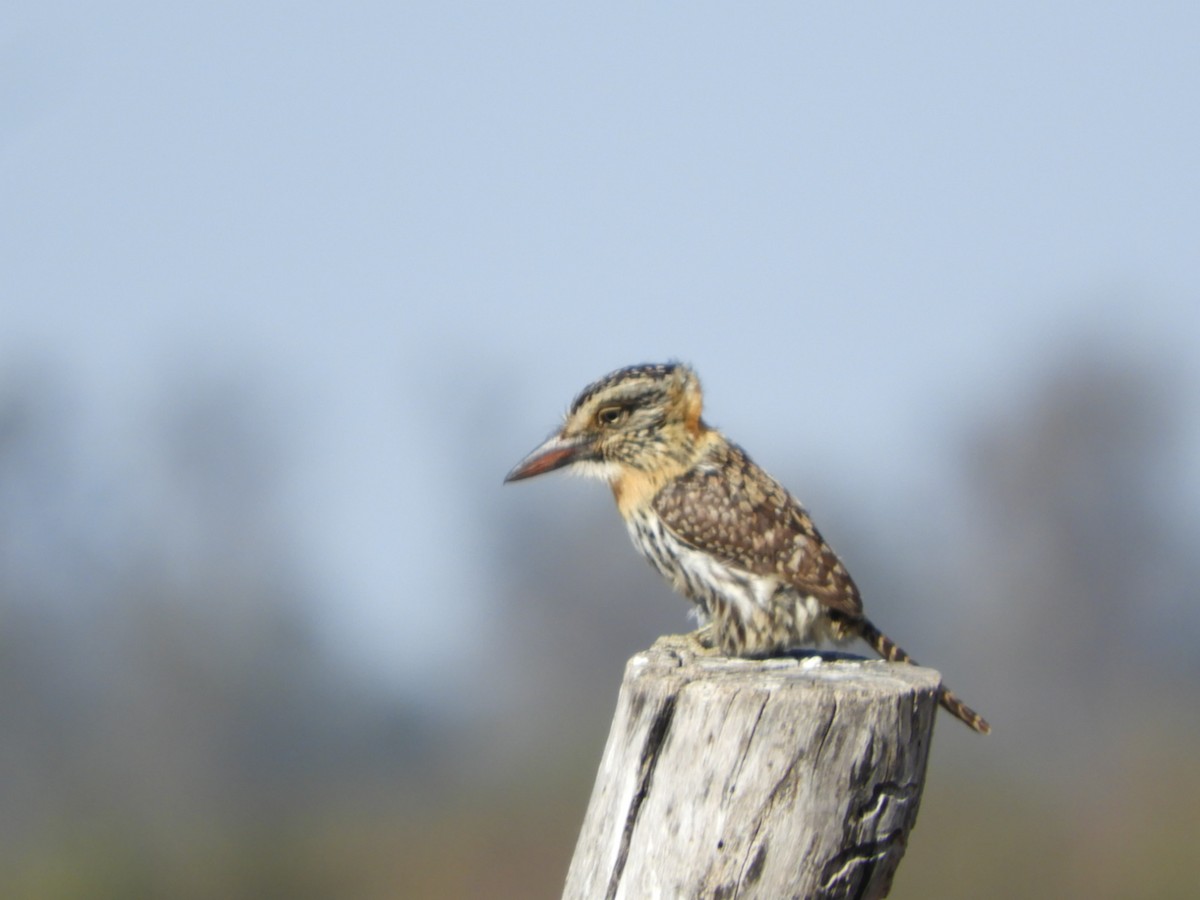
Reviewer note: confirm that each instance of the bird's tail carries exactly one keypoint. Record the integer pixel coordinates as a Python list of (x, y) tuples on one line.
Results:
[(892, 652)]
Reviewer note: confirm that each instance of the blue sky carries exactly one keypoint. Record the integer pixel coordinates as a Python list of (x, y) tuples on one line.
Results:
[(421, 226)]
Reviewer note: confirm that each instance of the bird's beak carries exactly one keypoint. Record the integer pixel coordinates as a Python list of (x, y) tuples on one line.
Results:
[(555, 453)]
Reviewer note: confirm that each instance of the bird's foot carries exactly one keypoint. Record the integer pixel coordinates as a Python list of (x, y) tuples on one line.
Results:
[(701, 642)]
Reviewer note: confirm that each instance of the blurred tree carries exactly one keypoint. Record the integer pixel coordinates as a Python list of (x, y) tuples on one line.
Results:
[(165, 697), (1076, 572), (1075, 548)]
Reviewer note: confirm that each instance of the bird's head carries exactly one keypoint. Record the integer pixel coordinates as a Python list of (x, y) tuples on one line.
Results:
[(642, 418)]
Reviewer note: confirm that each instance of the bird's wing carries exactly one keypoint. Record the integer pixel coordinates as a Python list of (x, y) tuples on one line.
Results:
[(738, 514)]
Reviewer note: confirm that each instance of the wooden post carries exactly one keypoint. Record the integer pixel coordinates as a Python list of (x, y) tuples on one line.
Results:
[(728, 778)]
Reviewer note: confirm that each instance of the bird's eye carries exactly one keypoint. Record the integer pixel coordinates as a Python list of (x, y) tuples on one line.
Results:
[(610, 415)]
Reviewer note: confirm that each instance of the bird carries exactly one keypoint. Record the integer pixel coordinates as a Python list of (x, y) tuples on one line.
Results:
[(723, 532)]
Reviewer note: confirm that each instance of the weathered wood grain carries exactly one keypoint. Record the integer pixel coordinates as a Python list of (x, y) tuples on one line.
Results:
[(727, 778)]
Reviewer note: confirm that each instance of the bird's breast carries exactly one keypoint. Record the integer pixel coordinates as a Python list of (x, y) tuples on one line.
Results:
[(697, 575)]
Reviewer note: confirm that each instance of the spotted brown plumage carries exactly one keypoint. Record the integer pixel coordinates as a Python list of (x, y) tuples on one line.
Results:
[(720, 529), (728, 507)]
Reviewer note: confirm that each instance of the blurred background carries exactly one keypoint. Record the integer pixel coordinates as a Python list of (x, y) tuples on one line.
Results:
[(286, 288)]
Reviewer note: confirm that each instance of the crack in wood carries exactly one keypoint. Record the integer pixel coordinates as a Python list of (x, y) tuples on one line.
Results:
[(852, 869), (901, 793), (655, 737), (784, 786), (741, 762), (823, 735)]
